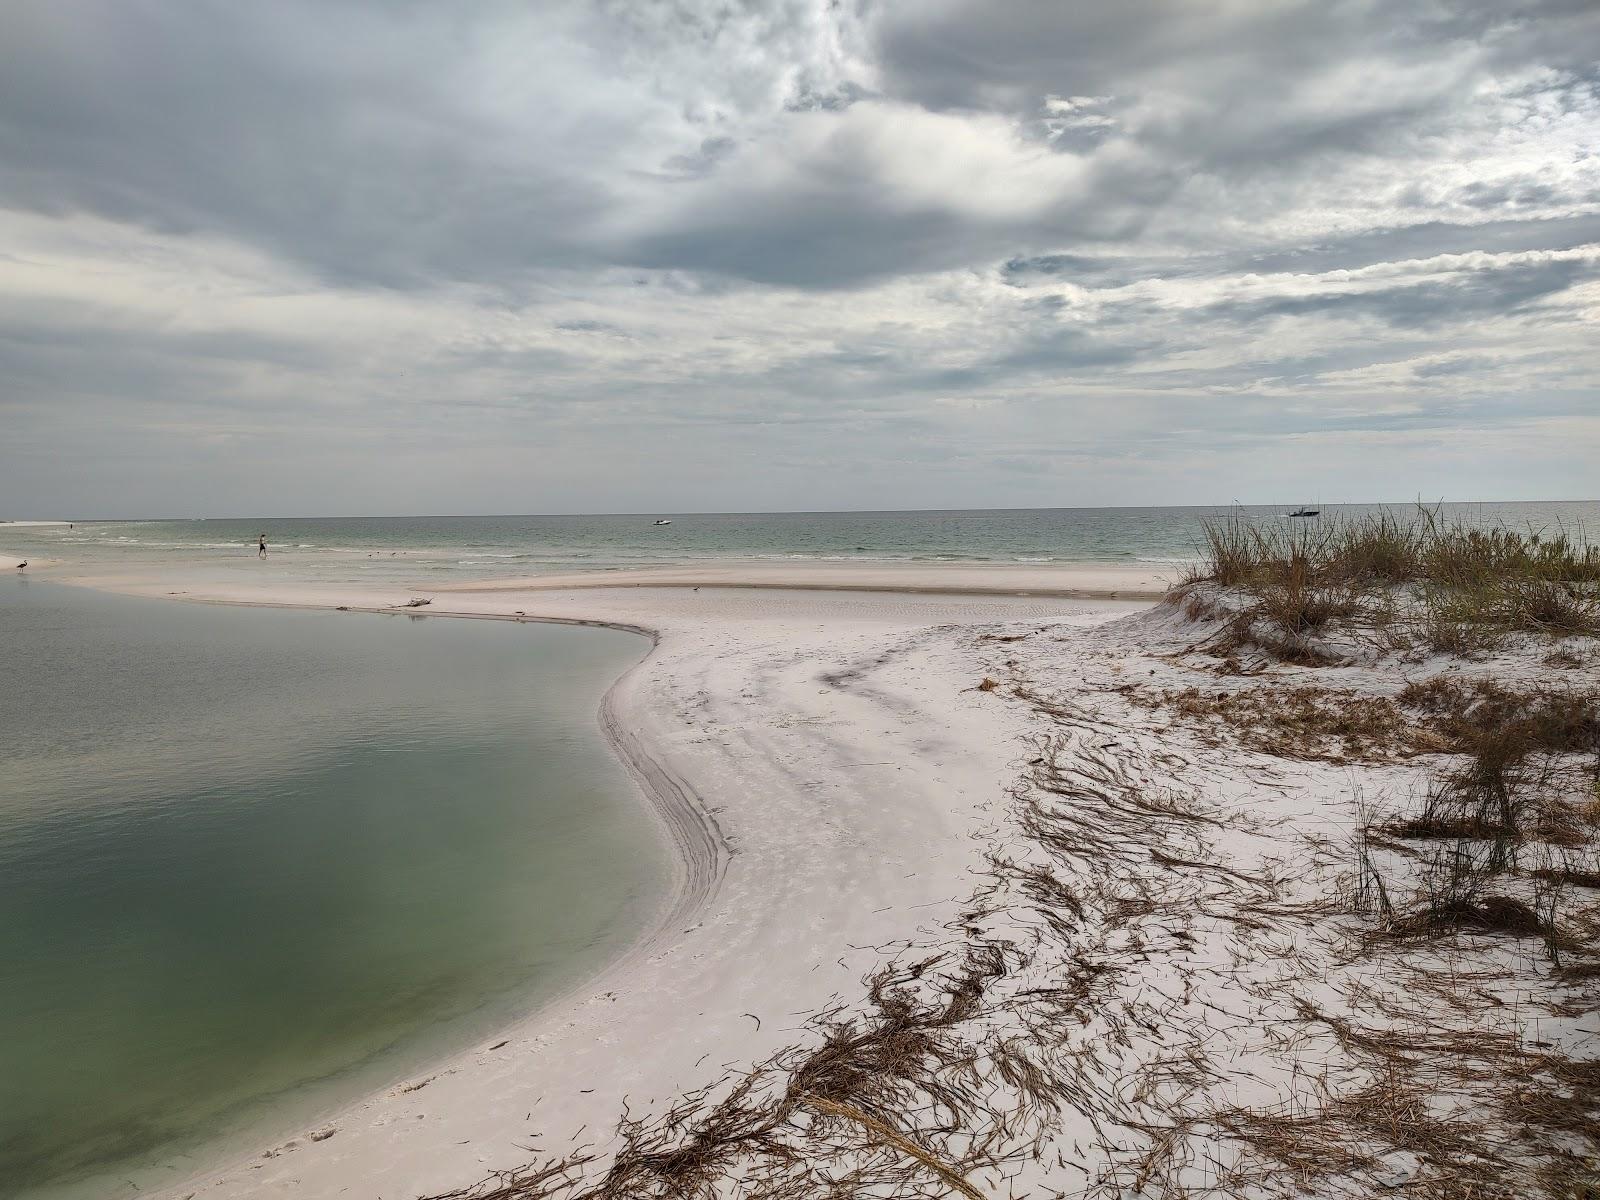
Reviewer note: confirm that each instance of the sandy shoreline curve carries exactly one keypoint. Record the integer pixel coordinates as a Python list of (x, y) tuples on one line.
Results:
[(700, 850), (1120, 937), (810, 756), (1073, 581)]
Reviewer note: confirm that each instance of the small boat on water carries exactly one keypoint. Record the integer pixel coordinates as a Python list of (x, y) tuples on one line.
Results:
[(663, 521), (1306, 512)]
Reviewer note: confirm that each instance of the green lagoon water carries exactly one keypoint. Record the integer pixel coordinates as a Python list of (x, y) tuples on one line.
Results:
[(255, 863)]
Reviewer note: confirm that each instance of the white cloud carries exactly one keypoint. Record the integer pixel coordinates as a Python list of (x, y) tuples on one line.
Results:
[(791, 252)]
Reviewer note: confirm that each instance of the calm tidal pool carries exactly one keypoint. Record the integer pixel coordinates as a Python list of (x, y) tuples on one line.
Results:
[(254, 863)]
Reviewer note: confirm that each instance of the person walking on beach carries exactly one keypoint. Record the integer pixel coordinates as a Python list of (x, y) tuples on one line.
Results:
[(262, 553)]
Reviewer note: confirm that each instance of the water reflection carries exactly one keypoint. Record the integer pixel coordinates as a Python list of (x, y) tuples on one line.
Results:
[(254, 861)]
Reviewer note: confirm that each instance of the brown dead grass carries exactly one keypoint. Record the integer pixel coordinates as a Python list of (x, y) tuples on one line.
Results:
[(1569, 875), (1308, 722), (1496, 729), (1491, 914), (1564, 658), (892, 1102)]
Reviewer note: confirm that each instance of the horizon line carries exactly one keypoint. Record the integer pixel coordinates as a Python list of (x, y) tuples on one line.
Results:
[(786, 512)]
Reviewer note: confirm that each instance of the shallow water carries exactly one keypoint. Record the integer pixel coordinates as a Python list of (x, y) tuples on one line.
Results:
[(255, 863), (422, 549)]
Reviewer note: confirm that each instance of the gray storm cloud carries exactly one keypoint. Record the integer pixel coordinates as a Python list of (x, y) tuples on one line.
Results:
[(793, 254)]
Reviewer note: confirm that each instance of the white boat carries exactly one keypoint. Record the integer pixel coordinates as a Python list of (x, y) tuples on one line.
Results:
[(663, 521)]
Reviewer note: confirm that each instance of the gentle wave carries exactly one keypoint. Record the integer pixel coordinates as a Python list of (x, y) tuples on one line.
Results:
[(466, 546)]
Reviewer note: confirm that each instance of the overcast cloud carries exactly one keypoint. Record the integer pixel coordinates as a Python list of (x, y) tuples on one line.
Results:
[(350, 256)]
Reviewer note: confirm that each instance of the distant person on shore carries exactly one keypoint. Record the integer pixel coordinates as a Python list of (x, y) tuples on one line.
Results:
[(262, 547)]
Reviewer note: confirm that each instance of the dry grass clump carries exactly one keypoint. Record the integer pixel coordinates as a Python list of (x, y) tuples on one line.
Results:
[(1557, 720), (1564, 657), (1512, 785), (900, 1101), (1569, 875), (1444, 813), (1491, 607), (1510, 742), (1448, 630), (1467, 587), (1462, 905), (1555, 606), (1309, 723), (1348, 1136), (1466, 558), (1519, 775), (1296, 605), (1392, 1136), (1589, 810), (1467, 888), (1499, 730), (1378, 549)]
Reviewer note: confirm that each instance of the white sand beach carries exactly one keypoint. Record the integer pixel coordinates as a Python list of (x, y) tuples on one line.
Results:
[(855, 770), (823, 764), (1081, 581)]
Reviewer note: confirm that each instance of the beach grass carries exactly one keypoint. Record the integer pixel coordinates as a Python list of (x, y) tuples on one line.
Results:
[(1519, 771), (1462, 588)]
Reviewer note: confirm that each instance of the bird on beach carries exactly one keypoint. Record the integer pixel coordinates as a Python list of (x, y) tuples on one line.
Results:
[(22, 564)]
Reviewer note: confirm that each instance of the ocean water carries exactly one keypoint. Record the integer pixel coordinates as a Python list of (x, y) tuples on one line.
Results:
[(254, 864), (424, 548)]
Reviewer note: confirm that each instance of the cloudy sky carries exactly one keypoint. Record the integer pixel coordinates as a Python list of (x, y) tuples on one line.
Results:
[(346, 256)]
